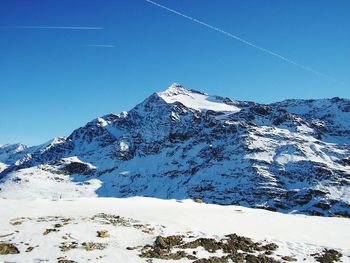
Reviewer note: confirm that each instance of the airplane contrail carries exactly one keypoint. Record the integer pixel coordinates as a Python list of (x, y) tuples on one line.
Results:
[(54, 27), (246, 42), (100, 45)]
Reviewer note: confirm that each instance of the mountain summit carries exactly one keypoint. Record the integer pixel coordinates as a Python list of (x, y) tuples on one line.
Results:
[(196, 100), (290, 156)]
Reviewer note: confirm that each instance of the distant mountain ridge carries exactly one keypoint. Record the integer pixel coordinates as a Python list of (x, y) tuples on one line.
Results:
[(288, 156)]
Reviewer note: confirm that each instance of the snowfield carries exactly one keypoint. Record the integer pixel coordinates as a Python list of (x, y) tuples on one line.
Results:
[(51, 231)]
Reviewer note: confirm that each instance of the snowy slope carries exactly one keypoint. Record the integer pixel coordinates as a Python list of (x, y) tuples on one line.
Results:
[(290, 156), (135, 222), (196, 100)]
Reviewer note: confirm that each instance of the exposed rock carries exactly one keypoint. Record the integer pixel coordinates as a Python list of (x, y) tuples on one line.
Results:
[(162, 247), (232, 245), (29, 249), (144, 228), (94, 246), (66, 246), (8, 248), (66, 261), (168, 242), (260, 259), (15, 223), (113, 220), (289, 259), (77, 168), (328, 256), (102, 233), (49, 230), (208, 244), (198, 200), (212, 260)]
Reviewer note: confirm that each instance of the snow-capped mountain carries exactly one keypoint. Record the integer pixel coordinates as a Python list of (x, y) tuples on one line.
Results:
[(181, 143)]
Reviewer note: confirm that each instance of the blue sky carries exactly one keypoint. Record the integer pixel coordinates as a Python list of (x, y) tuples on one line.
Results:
[(55, 80)]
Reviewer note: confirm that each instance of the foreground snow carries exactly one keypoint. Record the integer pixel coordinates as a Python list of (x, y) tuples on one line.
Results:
[(23, 223)]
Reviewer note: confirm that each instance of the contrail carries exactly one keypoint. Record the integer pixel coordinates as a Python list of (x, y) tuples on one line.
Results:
[(100, 45), (54, 27), (246, 42)]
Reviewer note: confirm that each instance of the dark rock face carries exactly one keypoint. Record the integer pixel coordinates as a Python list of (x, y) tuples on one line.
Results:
[(286, 156), (76, 168), (328, 256)]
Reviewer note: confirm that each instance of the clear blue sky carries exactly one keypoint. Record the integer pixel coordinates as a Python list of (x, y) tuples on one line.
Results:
[(55, 80)]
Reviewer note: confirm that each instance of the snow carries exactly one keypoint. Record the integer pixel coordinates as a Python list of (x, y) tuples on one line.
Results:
[(7, 150), (338, 193), (167, 150), (195, 100), (50, 144), (2, 167), (295, 235), (102, 122), (41, 182), (247, 160), (124, 146), (320, 108)]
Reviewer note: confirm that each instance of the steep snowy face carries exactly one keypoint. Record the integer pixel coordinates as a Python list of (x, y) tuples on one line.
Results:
[(10, 153), (8, 150), (197, 100), (180, 143), (330, 117)]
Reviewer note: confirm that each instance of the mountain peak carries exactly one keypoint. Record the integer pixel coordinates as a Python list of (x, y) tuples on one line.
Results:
[(195, 99), (177, 89)]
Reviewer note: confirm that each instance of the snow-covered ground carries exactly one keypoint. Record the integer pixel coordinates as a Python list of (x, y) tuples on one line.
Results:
[(41, 182), (135, 222)]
